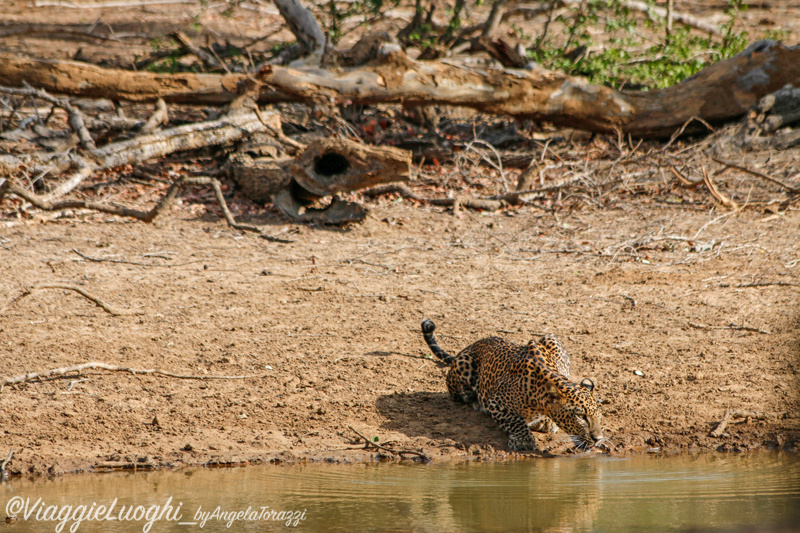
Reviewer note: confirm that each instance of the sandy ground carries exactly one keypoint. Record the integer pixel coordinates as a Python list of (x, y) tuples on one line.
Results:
[(329, 327)]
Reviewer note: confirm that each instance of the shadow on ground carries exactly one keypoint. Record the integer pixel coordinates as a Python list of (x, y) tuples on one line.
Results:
[(433, 415)]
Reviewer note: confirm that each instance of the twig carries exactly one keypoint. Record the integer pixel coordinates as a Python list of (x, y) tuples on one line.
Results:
[(768, 283), (732, 326), (4, 463), (65, 286), (718, 196), (735, 413), (686, 182), (402, 190), (209, 61), (393, 452), (757, 174), (96, 365), (109, 260)]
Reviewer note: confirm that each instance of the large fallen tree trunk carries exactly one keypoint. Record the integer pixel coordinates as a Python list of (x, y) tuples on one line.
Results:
[(720, 93)]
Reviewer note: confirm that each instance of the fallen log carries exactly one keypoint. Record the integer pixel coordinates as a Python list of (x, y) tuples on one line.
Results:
[(325, 167), (720, 93), (85, 80)]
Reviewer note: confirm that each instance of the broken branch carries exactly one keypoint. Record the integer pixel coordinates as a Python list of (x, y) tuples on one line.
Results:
[(390, 450), (95, 365)]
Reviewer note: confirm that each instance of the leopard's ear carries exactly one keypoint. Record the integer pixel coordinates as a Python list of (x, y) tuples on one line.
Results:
[(587, 384)]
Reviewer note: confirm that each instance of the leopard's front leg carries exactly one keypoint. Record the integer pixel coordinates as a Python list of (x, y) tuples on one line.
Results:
[(520, 437)]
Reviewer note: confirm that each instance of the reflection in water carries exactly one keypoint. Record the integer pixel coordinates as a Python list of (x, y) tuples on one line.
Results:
[(598, 493)]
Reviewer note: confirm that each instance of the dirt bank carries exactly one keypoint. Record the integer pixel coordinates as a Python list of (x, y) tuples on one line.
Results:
[(330, 325)]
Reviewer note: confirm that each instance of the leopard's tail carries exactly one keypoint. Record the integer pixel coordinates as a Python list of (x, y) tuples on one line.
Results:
[(427, 332)]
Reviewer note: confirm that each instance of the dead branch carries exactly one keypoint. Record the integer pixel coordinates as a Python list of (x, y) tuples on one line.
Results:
[(96, 365), (304, 27), (390, 450), (145, 216), (209, 61), (768, 284), (757, 174), (231, 127), (86, 80), (159, 117), (735, 327), (75, 120), (113, 310), (681, 18), (718, 196), (719, 430)]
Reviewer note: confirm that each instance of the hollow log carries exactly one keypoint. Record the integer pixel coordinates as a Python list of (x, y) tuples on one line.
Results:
[(325, 167)]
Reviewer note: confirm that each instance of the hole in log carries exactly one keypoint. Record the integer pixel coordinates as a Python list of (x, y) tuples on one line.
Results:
[(302, 195), (331, 164)]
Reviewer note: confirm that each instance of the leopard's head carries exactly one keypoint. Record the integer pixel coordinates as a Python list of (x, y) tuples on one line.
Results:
[(574, 409)]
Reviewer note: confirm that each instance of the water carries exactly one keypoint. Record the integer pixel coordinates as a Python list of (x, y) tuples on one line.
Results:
[(686, 493)]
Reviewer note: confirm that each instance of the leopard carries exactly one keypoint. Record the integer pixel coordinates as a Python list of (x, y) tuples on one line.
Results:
[(525, 388)]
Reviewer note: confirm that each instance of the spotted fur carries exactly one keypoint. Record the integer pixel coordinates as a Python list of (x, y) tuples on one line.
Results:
[(524, 388)]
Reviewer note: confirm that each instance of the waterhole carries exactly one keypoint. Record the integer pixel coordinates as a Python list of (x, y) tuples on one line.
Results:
[(684, 493)]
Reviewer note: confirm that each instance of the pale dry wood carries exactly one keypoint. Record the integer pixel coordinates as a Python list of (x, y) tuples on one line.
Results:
[(715, 192), (97, 365), (231, 127), (721, 92), (304, 27)]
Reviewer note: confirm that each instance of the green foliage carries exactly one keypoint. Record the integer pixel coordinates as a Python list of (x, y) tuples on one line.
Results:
[(626, 56)]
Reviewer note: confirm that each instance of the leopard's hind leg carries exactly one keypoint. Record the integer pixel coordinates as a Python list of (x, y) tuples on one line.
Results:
[(458, 383)]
